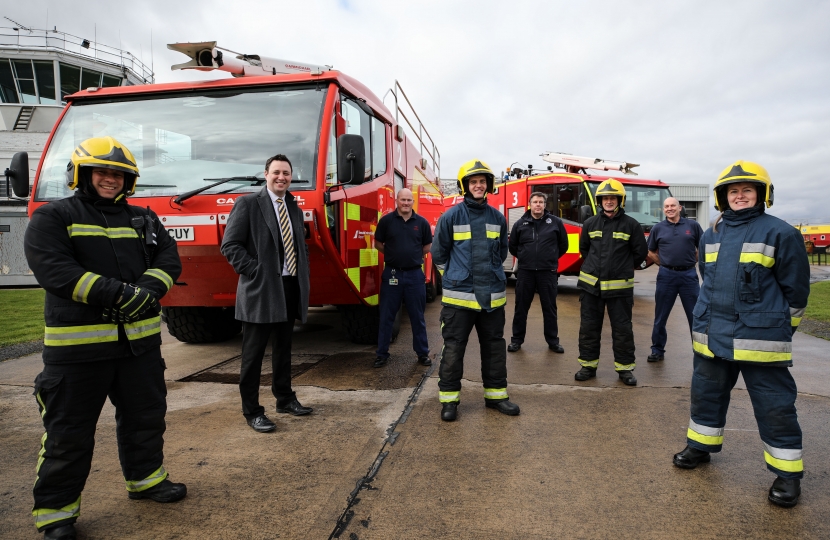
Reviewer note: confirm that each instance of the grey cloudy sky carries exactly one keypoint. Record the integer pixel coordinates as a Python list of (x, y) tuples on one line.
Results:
[(684, 88)]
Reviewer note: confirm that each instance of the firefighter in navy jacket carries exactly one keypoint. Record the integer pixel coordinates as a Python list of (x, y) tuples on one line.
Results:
[(756, 280), (612, 244), (469, 248), (104, 265)]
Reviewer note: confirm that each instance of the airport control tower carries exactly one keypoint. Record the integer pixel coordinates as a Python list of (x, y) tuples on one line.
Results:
[(38, 68)]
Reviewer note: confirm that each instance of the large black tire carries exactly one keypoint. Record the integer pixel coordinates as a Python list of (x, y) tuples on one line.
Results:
[(201, 324), (361, 323)]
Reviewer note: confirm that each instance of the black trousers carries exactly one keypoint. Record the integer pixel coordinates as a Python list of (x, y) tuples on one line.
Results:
[(592, 312), (456, 325), (528, 283), (254, 341), (70, 398)]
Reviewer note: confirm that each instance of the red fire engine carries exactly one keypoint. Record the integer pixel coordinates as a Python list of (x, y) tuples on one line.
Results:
[(201, 145), (571, 197)]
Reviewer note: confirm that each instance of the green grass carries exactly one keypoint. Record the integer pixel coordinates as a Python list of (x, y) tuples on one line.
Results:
[(818, 306), (21, 315)]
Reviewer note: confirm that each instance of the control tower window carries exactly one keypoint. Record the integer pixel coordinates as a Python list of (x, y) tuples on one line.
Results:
[(8, 93), (25, 77), (45, 77), (90, 78)]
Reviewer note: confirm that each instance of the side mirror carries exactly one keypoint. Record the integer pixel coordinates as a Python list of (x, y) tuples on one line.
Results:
[(18, 173), (351, 159), (585, 212)]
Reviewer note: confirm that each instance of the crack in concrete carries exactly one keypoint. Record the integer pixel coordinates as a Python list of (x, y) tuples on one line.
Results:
[(365, 483)]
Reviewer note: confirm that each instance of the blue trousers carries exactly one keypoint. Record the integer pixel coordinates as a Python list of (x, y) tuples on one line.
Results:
[(412, 291), (670, 283), (772, 391)]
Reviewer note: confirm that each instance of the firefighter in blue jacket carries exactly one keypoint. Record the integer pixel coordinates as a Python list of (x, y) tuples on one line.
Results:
[(104, 265), (756, 280), (469, 248)]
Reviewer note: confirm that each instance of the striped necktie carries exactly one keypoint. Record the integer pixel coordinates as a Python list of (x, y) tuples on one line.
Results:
[(287, 238)]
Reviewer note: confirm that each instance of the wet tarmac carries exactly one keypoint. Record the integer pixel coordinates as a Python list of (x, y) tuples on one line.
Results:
[(374, 460)]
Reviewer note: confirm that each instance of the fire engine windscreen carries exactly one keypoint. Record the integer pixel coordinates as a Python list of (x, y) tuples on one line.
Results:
[(184, 142), (643, 203)]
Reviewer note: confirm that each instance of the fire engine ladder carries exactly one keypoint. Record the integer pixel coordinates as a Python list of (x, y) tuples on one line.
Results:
[(23, 118), (429, 152), (574, 164)]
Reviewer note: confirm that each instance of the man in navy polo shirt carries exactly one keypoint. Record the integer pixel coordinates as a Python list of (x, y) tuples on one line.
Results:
[(672, 245), (403, 237)]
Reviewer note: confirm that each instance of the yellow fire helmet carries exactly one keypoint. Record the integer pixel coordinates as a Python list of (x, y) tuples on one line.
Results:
[(473, 167), (611, 187), (106, 153), (742, 171)]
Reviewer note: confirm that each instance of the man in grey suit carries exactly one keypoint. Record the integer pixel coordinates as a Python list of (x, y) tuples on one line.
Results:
[(265, 243)]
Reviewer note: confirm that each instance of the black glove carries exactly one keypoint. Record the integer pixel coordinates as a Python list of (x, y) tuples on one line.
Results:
[(133, 303)]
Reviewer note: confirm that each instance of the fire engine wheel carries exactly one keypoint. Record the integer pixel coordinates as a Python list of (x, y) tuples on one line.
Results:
[(201, 324), (361, 323)]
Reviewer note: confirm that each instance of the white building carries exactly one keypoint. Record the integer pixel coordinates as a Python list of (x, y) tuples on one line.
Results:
[(38, 68), (695, 198)]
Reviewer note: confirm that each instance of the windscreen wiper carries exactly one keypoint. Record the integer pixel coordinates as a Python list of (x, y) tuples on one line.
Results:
[(216, 182)]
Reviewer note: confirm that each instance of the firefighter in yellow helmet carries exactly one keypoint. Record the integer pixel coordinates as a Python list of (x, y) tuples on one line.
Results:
[(469, 247), (612, 245), (756, 277), (104, 265)]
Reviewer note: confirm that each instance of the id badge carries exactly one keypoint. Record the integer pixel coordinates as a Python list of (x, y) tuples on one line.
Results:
[(393, 281)]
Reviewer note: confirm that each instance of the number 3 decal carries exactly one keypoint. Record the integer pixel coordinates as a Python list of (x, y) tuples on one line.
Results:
[(515, 198)]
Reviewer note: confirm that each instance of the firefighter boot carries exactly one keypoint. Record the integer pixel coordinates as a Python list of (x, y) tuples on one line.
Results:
[(785, 492), (164, 492), (449, 411), (585, 373), (67, 532), (628, 378), (690, 457), (504, 406)]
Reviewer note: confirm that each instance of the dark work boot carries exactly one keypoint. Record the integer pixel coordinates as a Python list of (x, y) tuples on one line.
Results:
[(449, 411), (628, 378), (513, 347), (62, 532), (690, 457), (655, 358), (504, 406), (163, 492), (785, 492), (585, 373)]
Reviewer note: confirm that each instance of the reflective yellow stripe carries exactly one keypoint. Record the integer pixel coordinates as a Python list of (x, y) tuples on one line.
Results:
[(588, 278), (368, 257), (493, 231), (462, 236), (160, 275), (95, 230), (573, 243), (710, 257), (495, 393), (353, 211), (621, 236), (589, 363), (449, 397), (47, 516), (493, 235), (795, 321), (84, 285), (465, 300), (372, 300), (498, 299), (758, 258), (708, 440), (615, 284), (700, 344), (80, 335), (761, 356), (354, 276), (784, 459), (155, 478), (144, 328), (623, 367), (711, 251), (595, 234)]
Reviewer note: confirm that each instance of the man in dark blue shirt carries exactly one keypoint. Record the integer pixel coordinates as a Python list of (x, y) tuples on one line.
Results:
[(672, 244), (403, 237)]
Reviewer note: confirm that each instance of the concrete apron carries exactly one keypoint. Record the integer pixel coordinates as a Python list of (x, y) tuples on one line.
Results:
[(584, 460)]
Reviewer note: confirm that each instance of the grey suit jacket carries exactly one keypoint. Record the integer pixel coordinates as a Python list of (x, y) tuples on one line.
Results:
[(253, 245)]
